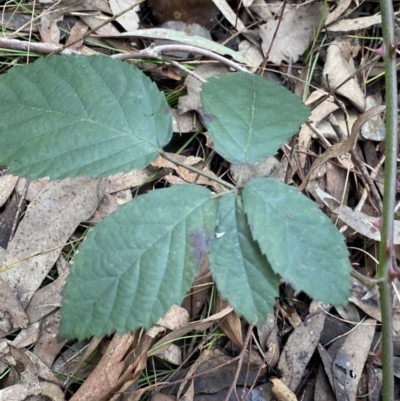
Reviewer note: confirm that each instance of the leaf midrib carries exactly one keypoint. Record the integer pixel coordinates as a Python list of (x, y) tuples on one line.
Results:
[(77, 119)]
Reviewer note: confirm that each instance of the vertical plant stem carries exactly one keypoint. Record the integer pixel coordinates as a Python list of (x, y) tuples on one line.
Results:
[(386, 245)]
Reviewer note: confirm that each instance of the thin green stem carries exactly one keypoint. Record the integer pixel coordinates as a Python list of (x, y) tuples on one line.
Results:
[(386, 245), (368, 282), (188, 142), (197, 171)]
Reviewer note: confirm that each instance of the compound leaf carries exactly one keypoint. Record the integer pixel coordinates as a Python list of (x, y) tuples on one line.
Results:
[(137, 262), (242, 273), (248, 117), (300, 242), (66, 116)]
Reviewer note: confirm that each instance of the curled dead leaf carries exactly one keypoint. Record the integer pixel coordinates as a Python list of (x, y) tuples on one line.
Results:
[(281, 392)]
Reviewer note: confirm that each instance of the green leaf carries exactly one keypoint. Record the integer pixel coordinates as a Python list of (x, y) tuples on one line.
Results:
[(243, 275), (66, 116), (300, 242), (248, 117), (137, 262)]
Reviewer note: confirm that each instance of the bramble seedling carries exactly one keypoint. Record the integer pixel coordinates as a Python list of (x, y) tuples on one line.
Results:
[(66, 116)]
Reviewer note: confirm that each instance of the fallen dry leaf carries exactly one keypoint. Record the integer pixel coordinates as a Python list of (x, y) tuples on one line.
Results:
[(79, 358), (269, 341), (350, 359), (354, 24), (340, 9), (349, 312), (337, 69), (245, 171), (327, 107), (135, 363), (157, 396), (8, 219), (130, 20), (94, 22), (231, 325), (106, 376), (7, 185), (33, 189), (34, 377), (326, 358), (341, 148), (48, 28), (281, 392), (175, 318), (192, 100), (375, 378), (265, 331), (173, 354), (324, 383), (261, 8), (201, 325), (200, 292), (325, 128), (77, 32), (49, 221), (367, 300), (336, 182), (299, 349), (358, 221), (190, 161), (289, 44), (252, 54), (229, 14), (12, 314), (204, 357), (27, 337), (47, 347), (46, 299), (373, 129), (216, 371), (188, 176), (186, 122)]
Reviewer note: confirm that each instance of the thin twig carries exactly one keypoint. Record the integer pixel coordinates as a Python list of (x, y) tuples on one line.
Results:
[(196, 170), (157, 51), (197, 348), (372, 187), (350, 77), (320, 135), (183, 68), (150, 52), (44, 48), (357, 159), (265, 61), (373, 175), (241, 358)]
